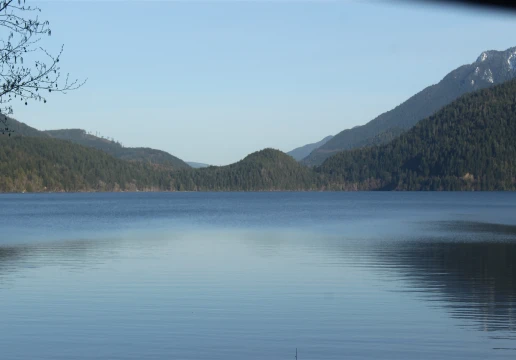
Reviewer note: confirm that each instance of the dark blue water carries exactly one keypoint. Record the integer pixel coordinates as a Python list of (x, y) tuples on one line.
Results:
[(256, 275)]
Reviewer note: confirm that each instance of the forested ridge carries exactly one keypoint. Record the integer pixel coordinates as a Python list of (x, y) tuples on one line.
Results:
[(114, 148), (110, 146), (467, 145), (37, 164)]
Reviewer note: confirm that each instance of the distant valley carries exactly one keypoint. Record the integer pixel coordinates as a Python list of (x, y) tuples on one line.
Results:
[(303, 151), (196, 165)]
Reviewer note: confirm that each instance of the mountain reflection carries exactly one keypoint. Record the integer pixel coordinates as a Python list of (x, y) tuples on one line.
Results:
[(472, 277), (467, 268), (69, 255)]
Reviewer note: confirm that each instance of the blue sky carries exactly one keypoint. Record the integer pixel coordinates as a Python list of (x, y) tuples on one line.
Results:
[(214, 81)]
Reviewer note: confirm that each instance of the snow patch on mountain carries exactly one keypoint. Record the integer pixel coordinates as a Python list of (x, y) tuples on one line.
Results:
[(482, 57), (488, 76), (511, 61)]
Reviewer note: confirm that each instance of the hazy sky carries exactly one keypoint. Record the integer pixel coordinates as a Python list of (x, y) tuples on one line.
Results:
[(213, 81)]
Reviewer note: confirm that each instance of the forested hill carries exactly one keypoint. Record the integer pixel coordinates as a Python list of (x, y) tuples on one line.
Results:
[(115, 149), (79, 136), (32, 164), (468, 145), (491, 68), (35, 164), (265, 170), (35, 161)]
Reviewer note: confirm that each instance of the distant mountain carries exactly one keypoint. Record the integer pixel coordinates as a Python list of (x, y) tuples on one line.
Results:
[(197, 165), (490, 68), (467, 145), (301, 152), (265, 170)]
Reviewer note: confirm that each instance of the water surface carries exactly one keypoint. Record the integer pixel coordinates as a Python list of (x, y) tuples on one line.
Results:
[(257, 275)]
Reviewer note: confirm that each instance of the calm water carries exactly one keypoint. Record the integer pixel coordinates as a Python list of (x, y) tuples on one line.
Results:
[(256, 275)]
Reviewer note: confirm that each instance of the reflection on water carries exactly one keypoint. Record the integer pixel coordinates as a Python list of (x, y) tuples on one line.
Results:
[(355, 287), (474, 280), (478, 227)]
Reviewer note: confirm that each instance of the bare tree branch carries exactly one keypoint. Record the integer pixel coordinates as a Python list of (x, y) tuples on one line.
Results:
[(28, 72)]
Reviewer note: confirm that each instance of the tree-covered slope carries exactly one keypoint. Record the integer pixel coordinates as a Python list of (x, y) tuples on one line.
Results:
[(490, 68), (469, 144), (45, 164), (20, 128), (265, 170), (115, 149)]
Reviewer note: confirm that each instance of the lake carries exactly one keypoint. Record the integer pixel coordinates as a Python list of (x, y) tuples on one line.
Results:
[(256, 275)]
